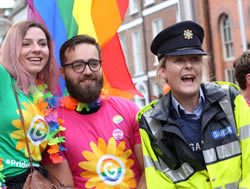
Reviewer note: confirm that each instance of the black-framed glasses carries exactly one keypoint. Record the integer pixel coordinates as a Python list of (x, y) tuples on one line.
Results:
[(80, 65)]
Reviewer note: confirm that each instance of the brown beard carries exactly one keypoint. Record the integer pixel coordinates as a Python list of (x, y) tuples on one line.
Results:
[(86, 94)]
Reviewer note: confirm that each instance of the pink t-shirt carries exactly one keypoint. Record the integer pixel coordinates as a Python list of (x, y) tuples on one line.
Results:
[(100, 145)]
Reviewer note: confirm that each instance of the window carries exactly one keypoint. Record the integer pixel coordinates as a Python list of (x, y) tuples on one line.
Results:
[(133, 7), (148, 2), (137, 52), (157, 26), (141, 101), (227, 41), (230, 75), (124, 46)]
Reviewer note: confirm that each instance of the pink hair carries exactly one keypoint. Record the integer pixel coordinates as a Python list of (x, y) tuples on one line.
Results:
[(10, 58)]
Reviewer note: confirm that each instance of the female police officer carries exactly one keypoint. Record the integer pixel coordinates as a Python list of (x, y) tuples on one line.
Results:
[(189, 137)]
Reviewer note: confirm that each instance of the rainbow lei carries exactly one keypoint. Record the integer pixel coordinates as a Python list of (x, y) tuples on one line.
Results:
[(72, 104), (47, 103)]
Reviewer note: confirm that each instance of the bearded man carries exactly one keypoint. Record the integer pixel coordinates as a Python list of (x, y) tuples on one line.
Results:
[(103, 147)]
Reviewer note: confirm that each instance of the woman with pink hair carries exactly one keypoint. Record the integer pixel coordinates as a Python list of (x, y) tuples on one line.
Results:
[(28, 72)]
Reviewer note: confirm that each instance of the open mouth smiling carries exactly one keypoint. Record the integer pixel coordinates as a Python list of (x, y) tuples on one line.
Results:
[(188, 78)]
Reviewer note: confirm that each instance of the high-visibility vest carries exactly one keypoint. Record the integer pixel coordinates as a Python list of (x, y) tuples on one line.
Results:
[(230, 173)]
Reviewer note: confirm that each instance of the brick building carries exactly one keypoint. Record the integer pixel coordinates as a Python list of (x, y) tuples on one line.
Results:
[(226, 23), (229, 29)]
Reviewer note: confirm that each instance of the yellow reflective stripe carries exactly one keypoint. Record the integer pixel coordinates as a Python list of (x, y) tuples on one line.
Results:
[(209, 155), (184, 172), (228, 150), (223, 151), (244, 132)]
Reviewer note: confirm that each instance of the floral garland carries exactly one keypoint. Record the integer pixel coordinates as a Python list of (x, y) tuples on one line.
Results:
[(47, 103), (72, 104)]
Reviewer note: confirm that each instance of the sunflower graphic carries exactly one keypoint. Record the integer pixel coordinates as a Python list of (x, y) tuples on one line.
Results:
[(108, 166), (36, 128)]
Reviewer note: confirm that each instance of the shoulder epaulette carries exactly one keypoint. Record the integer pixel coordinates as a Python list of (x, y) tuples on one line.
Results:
[(145, 109)]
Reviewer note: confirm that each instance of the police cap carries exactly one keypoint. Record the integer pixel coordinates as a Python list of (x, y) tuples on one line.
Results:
[(183, 38)]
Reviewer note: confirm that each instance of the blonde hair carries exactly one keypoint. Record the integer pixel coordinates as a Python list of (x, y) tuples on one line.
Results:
[(161, 64), (10, 58)]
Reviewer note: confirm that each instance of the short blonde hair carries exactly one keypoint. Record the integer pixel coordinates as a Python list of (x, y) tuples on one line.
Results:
[(161, 64)]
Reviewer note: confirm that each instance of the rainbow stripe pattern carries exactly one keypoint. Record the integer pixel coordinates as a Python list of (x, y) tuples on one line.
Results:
[(98, 18)]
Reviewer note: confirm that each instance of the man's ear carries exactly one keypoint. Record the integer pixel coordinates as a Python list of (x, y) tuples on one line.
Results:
[(62, 72)]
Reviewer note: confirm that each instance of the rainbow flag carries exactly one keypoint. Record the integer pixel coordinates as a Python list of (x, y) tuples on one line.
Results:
[(98, 18)]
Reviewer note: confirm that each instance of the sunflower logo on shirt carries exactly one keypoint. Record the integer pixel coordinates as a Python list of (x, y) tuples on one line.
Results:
[(108, 166), (36, 129)]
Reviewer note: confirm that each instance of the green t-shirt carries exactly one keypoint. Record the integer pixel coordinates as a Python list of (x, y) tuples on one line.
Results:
[(13, 150)]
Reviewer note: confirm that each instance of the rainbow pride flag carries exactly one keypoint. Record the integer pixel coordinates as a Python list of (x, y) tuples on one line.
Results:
[(98, 18)]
